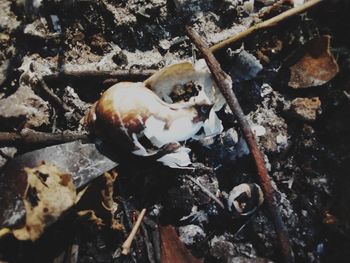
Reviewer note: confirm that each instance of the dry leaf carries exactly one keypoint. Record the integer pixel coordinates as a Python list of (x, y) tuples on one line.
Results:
[(49, 193), (98, 203), (316, 67)]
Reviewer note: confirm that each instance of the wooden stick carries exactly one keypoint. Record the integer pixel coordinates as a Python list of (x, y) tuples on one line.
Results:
[(28, 136), (265, 24), (53, 97), (120, 74), (127, 243), (225, 85)]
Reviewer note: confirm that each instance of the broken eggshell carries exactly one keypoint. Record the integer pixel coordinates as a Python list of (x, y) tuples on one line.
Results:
[(153, 117), (244, 199)]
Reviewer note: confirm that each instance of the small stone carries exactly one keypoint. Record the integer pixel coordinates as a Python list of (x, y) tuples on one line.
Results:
[(281, 139), (245, 66), (4, 39), (221, 248), (164, 44), (27, 109), (120, 58), (306, 109), (258, 130), (191, 234)]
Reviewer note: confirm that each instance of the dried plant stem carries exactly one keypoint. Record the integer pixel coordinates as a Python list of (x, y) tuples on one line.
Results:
[(28, 136), (127, 243), (54, 98), (120, 74), (265, 24), (225, 85), (206, 191)]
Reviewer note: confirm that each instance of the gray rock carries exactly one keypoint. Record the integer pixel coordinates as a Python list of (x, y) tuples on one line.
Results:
[(26, 107), (221, 248), (191, 234), (245, 66)]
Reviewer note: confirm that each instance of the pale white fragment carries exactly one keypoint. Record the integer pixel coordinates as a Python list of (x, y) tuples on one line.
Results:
[(213, 125), (298, 3), (282, 139), (178, 159), (258, 130), (181, 129)]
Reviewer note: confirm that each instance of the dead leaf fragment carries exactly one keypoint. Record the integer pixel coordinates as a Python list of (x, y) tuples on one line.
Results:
[(49, 193), (97, 203), (316, 67)]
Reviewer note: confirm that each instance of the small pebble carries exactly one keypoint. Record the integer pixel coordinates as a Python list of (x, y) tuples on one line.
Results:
[(191, 234)]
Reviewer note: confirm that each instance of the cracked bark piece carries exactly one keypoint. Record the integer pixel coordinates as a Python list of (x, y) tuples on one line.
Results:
[(316, 67)]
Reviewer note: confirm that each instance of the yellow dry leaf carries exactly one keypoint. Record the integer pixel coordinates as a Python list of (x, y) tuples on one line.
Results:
[(49, 193)]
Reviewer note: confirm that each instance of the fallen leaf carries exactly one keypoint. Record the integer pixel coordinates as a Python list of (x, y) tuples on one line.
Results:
[(49, 193), (66, 156), (97, 202), (316, 67)]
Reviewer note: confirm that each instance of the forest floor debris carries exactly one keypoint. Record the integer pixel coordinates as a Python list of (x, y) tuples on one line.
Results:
[(296, 103)]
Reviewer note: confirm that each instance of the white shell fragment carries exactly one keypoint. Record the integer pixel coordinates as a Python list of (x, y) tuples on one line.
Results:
[(174, 105), (244, 199)]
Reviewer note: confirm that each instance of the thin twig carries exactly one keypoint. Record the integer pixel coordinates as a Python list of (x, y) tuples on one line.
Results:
[(54, 98), (28, 136), (265, 24), (127, 243), (120, 74), (225, 85), (206, 191)]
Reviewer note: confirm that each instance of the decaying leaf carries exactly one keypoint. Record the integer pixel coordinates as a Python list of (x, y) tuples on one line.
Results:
[(66, 156), (91, 216), (175, 104), (49, 193), (316, 67), (173, 250), (98, 205)]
